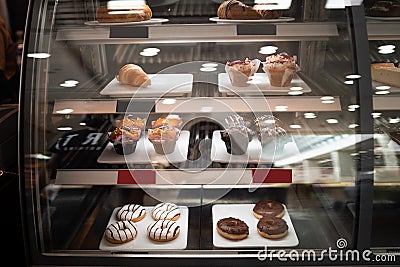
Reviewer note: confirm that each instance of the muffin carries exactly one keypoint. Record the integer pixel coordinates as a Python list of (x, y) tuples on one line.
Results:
[(132, 122), (171, 120), (239, 71), (237, 120), (280, 69), (268, 128), (124, 139), (236, 139), (164, 139)]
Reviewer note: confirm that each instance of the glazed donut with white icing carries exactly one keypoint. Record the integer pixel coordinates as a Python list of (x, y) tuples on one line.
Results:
[(121, 232), (131, 212), (163, 230), (166, 211)]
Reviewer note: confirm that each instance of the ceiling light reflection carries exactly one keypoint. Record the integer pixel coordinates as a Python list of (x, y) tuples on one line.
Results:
[(376, 114), (387, 47), (65, 111), (354, 106), (383, 92), (394, 120), (64, 128), (281, 108), (209, 65), (386, 51), (295, 93), (327, 98), (38, 55), (267, 50), (332, 121), (353, 76), (168, 101), (208, 69), (310, 115), (383, 87)]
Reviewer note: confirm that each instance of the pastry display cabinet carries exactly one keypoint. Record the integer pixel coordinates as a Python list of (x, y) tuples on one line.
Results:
[(335, 168)]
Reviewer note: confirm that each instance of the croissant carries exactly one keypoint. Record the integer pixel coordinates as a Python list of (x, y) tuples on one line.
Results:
[(133, 75)]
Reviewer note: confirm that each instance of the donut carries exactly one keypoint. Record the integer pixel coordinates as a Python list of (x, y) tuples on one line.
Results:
[(163, 230), (121, 232), (232, 228), (166, 211), (131, 212), (268, 207), (272, 227)]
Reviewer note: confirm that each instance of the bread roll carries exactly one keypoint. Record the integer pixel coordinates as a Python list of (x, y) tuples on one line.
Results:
[(133, 75), (140, 13)]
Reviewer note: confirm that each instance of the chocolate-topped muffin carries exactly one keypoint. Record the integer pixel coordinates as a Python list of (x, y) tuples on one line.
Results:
[(237, 139), (124, 139)]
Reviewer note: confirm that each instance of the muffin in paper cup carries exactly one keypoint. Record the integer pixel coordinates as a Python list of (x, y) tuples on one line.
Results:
[(269, 128), (237, 120), (164, 139), (131, 122), (236, 139), (280, 69), (172, 120), (124, 139), (239, 71)]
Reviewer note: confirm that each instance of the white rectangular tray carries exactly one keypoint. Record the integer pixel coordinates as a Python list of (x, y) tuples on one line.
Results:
[(161, 85), (244, 212), (142, 242), (145, 153), (259, 85)]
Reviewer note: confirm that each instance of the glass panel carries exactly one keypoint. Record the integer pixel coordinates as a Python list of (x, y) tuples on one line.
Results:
[(385, 84), (182, 130)]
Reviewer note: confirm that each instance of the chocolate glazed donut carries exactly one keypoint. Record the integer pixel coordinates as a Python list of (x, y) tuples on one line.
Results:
[(232, 228), (268, 207), (272, 227)]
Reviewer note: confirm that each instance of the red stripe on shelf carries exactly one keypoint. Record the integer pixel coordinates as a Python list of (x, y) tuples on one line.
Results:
[(272, 175), (136, 177)]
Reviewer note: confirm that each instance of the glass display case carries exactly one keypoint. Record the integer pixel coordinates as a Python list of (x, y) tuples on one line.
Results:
[(256, 124)]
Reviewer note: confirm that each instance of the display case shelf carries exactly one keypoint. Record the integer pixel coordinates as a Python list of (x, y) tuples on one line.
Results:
[(190, 177), (199, 33), (197, 105), (383, 30)]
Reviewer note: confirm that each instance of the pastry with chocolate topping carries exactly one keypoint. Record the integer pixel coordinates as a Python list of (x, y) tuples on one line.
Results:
[(272, 227), (268, 208), (232, 228), (384, 9), (237, 139), (124, 139), (234, 9)]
